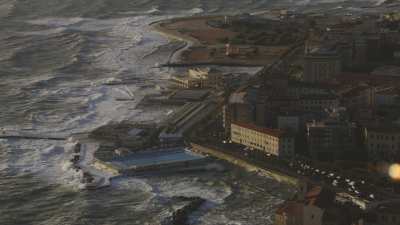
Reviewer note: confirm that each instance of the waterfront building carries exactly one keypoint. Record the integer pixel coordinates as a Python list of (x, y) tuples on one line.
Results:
[(272, 141), (330, 139), (382, 142), (321, 65), (198, 78)]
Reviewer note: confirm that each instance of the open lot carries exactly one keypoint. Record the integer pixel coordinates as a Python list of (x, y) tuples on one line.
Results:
[(208, 43)]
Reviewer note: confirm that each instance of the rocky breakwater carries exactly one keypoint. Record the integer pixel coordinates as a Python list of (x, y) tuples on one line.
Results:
[(181, 216)]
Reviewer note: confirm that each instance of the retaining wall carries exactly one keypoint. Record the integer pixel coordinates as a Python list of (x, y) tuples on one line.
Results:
[(276, 175)]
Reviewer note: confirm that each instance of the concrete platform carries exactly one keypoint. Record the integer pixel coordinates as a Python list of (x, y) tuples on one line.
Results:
[(154, 160)]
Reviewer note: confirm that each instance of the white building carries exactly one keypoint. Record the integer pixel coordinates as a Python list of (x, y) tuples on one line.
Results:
[(276, 142)]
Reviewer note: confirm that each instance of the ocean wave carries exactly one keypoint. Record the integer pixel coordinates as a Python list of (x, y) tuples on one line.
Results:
[(153, 11), (195, 11), (44, 54), (6, 7), (56, 21), (128, 183), (44, 32), (212, 191), (50, 161), (28, 156)]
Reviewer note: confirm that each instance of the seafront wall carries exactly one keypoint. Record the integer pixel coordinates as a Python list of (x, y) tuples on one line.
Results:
[(276, 175)]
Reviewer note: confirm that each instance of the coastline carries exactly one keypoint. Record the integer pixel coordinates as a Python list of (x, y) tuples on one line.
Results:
[(188, 42)]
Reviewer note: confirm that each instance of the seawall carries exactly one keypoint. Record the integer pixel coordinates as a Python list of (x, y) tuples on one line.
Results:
[(276, 175)]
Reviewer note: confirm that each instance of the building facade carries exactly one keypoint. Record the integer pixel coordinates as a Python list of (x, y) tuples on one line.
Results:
[(289, 122), (321, 66), (330, 139), (199, 78), (382, 142), (318, 102), (271, 141)]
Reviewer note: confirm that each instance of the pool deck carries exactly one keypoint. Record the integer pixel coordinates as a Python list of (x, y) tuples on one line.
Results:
[(155, 159)]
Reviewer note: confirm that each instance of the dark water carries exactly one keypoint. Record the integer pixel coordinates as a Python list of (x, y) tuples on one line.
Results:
[(55, 59)]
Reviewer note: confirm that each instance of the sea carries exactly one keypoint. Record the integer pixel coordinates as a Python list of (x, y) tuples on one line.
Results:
[(64, 68)]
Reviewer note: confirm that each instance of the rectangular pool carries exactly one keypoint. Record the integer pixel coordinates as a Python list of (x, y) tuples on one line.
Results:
[(156, 158)]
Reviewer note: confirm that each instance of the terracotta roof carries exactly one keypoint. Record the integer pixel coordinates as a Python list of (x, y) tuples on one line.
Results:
[(269, 131)]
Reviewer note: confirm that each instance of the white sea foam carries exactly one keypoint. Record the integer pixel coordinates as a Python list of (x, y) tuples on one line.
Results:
[(212, 191), (129, 183), (195, 11), (56, 22), (45, 32), (6, 7), (120, 51)]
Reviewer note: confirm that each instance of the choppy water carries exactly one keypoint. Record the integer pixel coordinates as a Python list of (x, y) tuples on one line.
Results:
[(55, 59)]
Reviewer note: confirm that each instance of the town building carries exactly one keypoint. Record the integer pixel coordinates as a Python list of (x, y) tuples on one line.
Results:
[(296, 88), (330, 139), (382, 142), (358, 96), (318, 102), (389, 96), (238, 51), (289, 122), (272, 141), (199, 78), (316, 207), (321, 65)]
